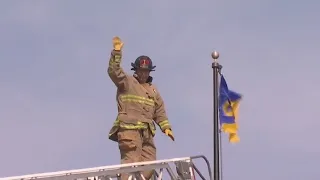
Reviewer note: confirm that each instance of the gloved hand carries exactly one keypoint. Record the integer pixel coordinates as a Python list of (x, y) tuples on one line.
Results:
[(169, 133), (117, 43)]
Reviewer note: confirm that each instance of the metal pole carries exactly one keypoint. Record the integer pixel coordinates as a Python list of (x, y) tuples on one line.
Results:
[(216, 140)]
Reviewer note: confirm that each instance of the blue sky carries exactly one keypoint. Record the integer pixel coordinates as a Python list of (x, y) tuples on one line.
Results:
[(57, 102)]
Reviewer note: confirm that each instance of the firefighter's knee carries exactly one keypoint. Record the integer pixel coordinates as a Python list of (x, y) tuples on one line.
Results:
[(126, 140), (127, 145), (128, 150)]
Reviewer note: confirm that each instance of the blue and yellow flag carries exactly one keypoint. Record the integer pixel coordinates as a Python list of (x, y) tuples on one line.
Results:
[(228, 111)]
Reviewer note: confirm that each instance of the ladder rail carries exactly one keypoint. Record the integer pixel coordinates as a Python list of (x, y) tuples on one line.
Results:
[(113, 171), (71, 176), (102, 170), (207, 163)]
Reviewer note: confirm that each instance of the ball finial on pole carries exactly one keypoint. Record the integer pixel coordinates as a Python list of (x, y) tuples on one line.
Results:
[(215, 55)]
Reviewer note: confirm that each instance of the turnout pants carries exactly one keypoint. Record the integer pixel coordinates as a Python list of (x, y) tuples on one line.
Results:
[(136, 146)]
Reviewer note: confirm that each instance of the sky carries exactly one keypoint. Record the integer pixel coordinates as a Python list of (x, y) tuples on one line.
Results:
[(57, 102)]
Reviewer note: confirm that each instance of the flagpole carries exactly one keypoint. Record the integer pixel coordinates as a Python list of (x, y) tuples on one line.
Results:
[(216, 138)]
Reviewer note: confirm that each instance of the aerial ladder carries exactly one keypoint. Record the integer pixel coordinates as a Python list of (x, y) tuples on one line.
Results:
[(185, 169)]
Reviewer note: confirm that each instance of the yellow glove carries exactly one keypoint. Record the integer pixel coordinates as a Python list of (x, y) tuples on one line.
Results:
[(117, 43), (169, 133)]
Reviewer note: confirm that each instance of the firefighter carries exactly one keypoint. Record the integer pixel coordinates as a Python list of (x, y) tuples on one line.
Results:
[(140, 106)]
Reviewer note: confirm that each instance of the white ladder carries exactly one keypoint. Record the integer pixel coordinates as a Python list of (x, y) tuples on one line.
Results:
[(185, 170)]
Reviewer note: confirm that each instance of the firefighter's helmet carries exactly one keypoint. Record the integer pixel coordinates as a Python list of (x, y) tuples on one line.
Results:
[(143, 62)]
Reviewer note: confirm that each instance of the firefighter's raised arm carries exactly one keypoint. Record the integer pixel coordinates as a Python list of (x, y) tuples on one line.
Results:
[(115, 71), (161, 117)]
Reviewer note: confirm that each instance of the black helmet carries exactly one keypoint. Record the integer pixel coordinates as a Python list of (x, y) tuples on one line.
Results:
[(143, 62)]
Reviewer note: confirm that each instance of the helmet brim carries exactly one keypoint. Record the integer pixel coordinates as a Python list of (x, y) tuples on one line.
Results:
[(134, 67)]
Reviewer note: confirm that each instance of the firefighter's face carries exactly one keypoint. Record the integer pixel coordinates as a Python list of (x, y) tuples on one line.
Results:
[(143, 75)]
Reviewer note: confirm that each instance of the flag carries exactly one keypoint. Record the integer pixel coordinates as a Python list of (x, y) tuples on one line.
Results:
[(228, 111)]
